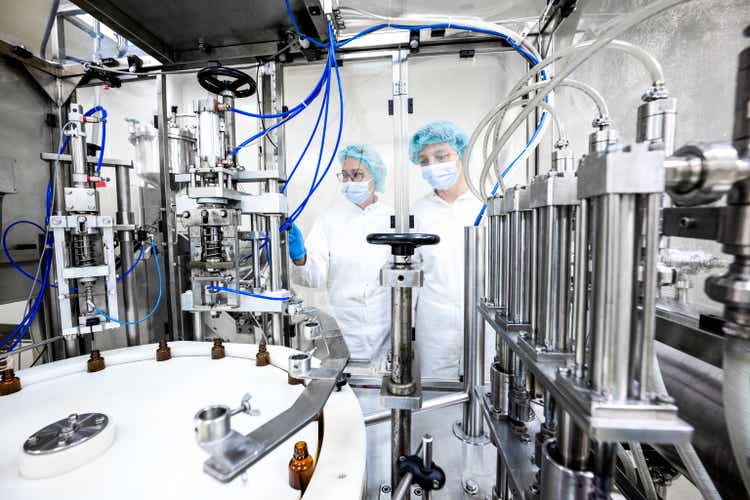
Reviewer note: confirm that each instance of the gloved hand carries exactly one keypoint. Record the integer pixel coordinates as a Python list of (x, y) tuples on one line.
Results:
[(297, 248)]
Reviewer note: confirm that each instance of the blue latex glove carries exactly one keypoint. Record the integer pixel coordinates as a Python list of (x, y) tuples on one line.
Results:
[(297, 248)]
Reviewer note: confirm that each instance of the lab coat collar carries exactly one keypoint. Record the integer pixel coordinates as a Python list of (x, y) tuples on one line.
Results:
[(356, 209), (465, 196)]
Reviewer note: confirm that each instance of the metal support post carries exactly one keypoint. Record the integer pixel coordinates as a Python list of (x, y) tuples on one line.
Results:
[(125, 217), (172, 293), (472, 426)]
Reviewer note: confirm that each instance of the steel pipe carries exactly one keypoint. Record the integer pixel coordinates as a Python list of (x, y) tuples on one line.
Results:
[(125, 217), (474, 291)]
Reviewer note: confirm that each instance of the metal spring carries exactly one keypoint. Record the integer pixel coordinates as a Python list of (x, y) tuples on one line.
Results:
[(211, 244), (83, 248)]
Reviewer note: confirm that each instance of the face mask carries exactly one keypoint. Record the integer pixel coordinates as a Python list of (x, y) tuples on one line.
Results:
[(356, 192), (441, 176)]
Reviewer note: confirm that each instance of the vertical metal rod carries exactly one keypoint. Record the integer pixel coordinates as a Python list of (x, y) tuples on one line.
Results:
[(400, 441), (277, 260), (125, 217), (401, 347), (474, 266), (562, 280), (626, 269), (198, 329), (427, 459), (502, 488), (645, 343), (400, 114), (604, 468), (572, 442), (581, 286), (174, 316)]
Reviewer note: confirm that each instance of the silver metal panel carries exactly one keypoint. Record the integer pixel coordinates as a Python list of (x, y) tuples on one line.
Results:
[(192, 31), (23, 137)]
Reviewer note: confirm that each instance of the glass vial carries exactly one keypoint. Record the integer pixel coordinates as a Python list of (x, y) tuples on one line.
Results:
[(300, 467)]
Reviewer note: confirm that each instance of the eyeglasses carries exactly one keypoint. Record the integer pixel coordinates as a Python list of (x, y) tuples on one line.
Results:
[(356, 176)]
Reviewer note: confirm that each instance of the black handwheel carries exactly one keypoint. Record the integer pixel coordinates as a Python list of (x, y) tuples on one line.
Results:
[(218, 79), (403, 243)]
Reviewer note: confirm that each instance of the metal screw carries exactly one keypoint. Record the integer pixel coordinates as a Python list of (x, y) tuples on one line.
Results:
[(385, 489), (417, 492), (686, 222), (471, 487)]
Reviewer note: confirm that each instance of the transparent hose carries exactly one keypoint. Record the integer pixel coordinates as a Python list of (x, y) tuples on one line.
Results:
[(498, 117), (573, 62), (643, 473), (695, 469)]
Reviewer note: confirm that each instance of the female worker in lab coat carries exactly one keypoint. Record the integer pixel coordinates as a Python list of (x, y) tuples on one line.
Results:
[(438, 149), (336, 254)]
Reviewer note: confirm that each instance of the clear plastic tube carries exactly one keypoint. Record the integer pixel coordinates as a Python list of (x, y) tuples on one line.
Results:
[(697, 472), (575, 60)]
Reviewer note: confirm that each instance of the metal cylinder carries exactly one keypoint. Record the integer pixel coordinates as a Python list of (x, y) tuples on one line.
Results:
[(518, 262), (572, 442), (229, 125), (561, 483), (212, 423), (494, 252), (210, 146), (554, 248), (657, 121), (500, 384), (198, 327), (614, 271), (402, 378), (474, 266), (125, 217)]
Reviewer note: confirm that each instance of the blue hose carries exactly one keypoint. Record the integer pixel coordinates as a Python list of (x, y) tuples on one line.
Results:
[(158, 297), (248, 294), (297, 30), (23, 327), (103, 112), (21, 270), (317, 182)]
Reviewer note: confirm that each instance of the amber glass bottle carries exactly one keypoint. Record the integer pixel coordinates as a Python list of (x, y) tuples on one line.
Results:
[(300, 467)]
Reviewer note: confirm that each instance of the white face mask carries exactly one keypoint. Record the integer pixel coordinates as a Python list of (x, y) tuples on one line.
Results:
[(356, 192), (441, 176)]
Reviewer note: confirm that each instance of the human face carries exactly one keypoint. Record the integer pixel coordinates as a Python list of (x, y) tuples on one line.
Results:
[(353, 171), (439, 152)]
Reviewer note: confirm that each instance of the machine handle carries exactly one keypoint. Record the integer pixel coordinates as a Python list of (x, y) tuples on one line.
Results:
[(403, 243), (233, 80)]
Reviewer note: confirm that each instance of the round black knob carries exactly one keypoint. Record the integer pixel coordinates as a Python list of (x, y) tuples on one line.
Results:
[(218, 79), (403, 243)]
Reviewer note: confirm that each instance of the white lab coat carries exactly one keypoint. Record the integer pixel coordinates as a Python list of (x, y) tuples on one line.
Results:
[(339, 258), (439, 310)]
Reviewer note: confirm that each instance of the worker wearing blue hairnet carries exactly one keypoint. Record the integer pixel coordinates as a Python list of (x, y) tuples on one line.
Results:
[(438, 149), (337, 256)]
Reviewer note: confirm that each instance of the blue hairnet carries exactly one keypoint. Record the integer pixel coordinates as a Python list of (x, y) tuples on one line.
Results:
[(368, 157), (437, 132)]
